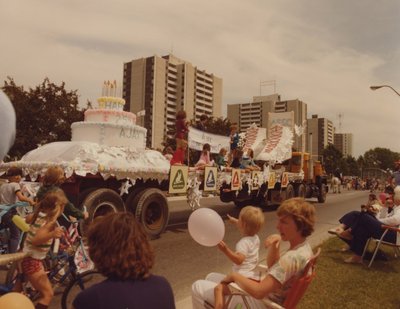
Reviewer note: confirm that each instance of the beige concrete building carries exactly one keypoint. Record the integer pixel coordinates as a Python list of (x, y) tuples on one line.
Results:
[(344, 143), (161, 86), (320, 134), (257, 111)]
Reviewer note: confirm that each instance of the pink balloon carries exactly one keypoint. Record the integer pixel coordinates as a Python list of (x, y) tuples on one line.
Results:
[(206, 227)]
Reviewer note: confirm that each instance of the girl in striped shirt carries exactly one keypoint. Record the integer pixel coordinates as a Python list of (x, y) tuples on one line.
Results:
[(42, 231)]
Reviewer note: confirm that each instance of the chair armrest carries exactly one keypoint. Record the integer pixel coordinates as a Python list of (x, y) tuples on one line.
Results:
[(393, 228)]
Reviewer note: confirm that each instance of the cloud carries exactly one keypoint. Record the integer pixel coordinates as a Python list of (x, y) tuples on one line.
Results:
[(325, 53)]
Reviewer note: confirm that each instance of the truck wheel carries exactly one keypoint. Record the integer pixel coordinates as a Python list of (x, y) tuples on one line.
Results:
[(132, 200), (289, 191), (152, 211), (322, 193), (301, 191), (101, 202)]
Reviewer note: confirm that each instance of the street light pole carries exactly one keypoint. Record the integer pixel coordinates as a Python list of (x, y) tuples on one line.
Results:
[(378, 87)]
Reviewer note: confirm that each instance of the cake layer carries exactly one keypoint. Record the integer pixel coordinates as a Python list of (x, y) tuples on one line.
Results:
[(109, 134), (110, 116), (111, 103)]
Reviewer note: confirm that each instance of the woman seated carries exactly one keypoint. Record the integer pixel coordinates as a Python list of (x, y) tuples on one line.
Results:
[(121, 251), (367, 227), (220, 159), (296, 219)]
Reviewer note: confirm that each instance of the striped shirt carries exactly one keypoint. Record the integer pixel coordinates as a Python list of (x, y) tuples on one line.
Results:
[(39, 251)]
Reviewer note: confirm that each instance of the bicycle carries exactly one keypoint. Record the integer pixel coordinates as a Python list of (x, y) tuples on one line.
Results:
[(66, 266)]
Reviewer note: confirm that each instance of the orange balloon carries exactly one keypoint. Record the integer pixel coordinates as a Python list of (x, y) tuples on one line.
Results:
[(15, 300)]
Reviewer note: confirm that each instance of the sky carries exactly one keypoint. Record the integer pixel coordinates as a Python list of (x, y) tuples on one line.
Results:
[(326, 53)]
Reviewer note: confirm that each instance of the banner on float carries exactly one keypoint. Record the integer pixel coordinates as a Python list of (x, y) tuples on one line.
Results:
[(285, 180), (256, 176), (210, 178), (198, 138), (285, 119), (178, 179), (271, 180), (236, 179)]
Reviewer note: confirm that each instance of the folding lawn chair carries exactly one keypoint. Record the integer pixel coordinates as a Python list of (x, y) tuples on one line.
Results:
[(379, 242), (294, 295)]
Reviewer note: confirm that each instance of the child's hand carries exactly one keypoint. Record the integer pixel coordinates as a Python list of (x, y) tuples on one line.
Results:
[(232, 219), (272, 240), (58, 232), (222, 246)]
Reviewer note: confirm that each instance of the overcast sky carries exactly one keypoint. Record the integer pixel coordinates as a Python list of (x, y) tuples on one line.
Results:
[(324, 52)]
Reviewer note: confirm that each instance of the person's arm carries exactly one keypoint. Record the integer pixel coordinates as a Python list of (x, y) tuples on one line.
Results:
[(272, 243), (71, 211), (47, 232), (235, 257), (23, 198), (392, 220), (255, 289)]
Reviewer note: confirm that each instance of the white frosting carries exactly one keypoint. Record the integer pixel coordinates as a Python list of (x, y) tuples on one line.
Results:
[(109, 134), (110, 116), (83, 158)]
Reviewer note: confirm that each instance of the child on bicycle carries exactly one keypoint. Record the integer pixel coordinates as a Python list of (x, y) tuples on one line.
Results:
[(43, 231), (10, 193), (52, 180), (245, 256)]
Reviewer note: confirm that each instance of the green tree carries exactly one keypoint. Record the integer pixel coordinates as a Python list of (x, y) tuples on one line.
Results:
[(332, 158), (44, 114), (382, 158)]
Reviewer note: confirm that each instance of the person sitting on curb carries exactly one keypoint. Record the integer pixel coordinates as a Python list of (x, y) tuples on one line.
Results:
[(296, 219)]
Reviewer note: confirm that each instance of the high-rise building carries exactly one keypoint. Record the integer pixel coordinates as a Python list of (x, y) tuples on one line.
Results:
[(344, 143), (257, 111), (320, 134), (156, 88)]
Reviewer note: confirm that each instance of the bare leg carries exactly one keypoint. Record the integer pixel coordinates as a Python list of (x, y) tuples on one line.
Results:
[(41, 283)]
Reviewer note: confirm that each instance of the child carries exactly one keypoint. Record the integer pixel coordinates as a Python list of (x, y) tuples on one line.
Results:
[(52, 180), (245, 256), (181, 128), (42, 231), (205, 157), (220, 159), (234, 136), (248, 161), (10, 193)]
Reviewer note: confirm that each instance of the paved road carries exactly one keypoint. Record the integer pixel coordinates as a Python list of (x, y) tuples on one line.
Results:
[(182, 261)]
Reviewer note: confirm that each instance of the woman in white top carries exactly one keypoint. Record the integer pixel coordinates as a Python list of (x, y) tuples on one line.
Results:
[(369, 227), (296, 219)]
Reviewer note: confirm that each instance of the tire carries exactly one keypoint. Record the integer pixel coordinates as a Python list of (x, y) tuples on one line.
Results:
[(152, 211), (301, 191), (132, 200), (82, 282), (101, 202), (289, 191), (322, 193)]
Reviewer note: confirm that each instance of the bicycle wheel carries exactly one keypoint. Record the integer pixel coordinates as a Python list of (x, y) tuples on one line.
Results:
[(81, 282)]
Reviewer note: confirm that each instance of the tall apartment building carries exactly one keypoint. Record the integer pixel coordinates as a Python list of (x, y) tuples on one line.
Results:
[(344, 143), (161, 86), (320, 134), (257, 111)]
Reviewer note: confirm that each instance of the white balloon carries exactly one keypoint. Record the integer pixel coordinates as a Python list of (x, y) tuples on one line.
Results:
[(7, 124), (206, 227)]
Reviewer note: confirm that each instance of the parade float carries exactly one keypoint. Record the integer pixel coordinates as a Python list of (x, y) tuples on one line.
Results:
[(108, 168)]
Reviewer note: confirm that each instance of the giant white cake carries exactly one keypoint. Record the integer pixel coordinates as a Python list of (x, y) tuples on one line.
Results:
[(108, 124)]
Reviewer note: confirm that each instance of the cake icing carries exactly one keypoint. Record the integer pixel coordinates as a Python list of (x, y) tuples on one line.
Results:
[(108, 124)]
